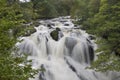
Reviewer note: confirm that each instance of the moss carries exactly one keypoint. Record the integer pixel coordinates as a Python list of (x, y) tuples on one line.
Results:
[(54, 35)]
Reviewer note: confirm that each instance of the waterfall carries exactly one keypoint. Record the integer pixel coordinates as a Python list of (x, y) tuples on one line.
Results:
[(64, 59)]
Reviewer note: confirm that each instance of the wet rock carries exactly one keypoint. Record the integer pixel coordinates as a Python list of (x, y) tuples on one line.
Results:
[(55, 34), (49, 26), (91, 37), (58, 29), (75, 25), (66, 24), (71, 67), (91, 52), (42, 73), (63, 21)]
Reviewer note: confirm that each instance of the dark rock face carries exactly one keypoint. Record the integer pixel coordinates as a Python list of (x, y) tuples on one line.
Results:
[(91, 53), (58, 29), (55, 34), (66, 24), (42, 74), (71, 67), (91, 37), (76, 27), (49, 26), (91, 50), (70, 43)]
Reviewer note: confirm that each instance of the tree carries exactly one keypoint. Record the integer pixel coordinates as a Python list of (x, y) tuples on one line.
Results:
[(93, 7), (44, 8), (10, 64), (109, 31), (105, 24), (26, 9)]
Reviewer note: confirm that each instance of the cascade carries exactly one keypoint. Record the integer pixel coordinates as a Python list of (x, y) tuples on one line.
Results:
[(64, 59)]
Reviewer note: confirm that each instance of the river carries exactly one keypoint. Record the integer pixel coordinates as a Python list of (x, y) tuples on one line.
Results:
[(65, 56)]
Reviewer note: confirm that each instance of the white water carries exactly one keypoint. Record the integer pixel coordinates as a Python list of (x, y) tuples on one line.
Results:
[(65, 59)]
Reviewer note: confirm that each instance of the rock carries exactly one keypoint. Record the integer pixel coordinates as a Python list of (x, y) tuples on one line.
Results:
[(58, 29), (56, 34), (49, 26), (42, 73), (91, 52), (91, 37), (75, 25), (66, 24)]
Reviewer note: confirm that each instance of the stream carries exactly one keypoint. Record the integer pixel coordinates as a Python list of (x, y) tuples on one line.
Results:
[(63, 50)]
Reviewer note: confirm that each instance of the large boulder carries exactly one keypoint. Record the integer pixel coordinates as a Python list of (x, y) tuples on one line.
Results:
[(56, 34)]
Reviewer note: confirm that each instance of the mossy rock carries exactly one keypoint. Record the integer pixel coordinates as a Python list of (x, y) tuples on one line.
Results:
[(55, 34)]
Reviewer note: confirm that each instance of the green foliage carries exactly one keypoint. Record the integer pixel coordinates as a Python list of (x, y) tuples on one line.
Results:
[(106, 62), (103, 20), (11, 17), (44, 8), (52, 8), (79, 9), (27, 11), (93, 7)]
